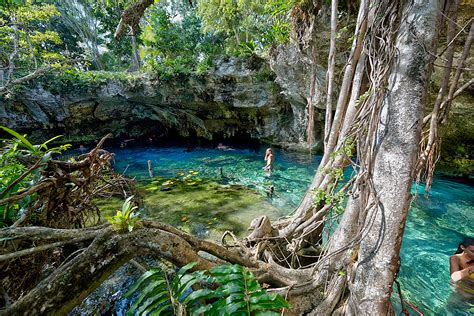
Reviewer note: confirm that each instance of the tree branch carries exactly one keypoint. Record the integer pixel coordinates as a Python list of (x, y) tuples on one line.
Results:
[(37, 249), (68, 285), (37, 73), (131, 17)]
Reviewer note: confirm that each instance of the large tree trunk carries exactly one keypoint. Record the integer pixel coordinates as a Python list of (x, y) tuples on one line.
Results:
[(393, 44), (397, 141)]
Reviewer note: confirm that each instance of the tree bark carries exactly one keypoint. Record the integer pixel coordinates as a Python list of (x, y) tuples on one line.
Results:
[(68, 285), (135, 55), (330, 73), (397, 148), (321, 180), (131, 16), (431, 146)]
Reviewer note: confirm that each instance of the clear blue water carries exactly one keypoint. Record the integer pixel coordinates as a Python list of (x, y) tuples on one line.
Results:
[(291, 175), (436, 224)]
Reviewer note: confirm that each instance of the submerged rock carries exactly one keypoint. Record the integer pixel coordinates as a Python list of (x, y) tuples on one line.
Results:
[(108, 298)]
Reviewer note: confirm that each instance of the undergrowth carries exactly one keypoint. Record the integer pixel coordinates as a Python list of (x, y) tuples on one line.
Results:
[(222, 290)]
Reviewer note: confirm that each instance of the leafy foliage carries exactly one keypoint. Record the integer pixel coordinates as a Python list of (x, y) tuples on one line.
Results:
[(26, 43), (77, 18), (250, 26), (11, 169), (126, 218), (176, 44), (72, 79), (238, 293), (159, 294), (70, 37), (37, 150), (328, 198)]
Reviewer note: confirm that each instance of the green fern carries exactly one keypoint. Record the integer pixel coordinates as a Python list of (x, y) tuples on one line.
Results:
[(238, 293), (158, 294)]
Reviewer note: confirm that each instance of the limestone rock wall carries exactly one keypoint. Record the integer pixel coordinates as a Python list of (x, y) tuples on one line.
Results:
[(237, 98)]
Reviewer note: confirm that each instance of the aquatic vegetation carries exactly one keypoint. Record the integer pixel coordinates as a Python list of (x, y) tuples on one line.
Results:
[(202, 206), (182, 178)]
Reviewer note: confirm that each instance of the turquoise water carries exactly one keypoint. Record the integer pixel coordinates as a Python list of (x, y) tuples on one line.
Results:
[(436, 224), (291, 175)]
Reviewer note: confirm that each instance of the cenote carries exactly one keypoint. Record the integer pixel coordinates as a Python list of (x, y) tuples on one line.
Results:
[(228, 188), (115, 193)]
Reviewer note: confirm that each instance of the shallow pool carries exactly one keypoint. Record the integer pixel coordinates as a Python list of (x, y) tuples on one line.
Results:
[(436, 224)]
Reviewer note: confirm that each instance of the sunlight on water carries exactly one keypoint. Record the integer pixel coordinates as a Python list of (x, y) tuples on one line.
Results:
[(436, 224)]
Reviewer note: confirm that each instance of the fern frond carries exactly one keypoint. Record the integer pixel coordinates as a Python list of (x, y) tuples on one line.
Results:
[(238, 293)]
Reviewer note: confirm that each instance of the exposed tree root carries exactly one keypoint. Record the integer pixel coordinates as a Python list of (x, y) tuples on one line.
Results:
[(378, 115)]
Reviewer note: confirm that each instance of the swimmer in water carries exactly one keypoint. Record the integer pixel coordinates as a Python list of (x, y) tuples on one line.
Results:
[(461, 266), (270, 191), (82, 149), (221, 146)]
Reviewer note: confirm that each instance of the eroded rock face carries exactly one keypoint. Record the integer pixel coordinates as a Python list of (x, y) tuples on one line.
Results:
[(237, 98), (293, 74)]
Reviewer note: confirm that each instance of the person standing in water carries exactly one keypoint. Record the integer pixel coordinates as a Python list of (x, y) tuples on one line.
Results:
[(269, 158)]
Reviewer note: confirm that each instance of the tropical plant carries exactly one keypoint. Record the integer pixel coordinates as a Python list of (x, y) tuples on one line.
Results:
[(238, 293), (126, 218), (77, 18), (162, 295), (15, 176), (37, 150), (250, 26), (172, 45), (27, 46)]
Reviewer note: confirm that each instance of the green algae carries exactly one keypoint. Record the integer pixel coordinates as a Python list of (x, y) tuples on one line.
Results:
[(203, 207)]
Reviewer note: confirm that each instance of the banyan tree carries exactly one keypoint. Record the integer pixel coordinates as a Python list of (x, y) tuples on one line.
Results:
[(377, 129)]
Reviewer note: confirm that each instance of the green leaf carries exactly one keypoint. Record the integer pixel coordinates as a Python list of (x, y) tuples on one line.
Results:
[(126, 204), (23, 140), (144, 279), (198, 295), (186, 268), (154, 301), (150, 290), (202, 310), (160, 309), (234, 307), (185, 283), (44, 145)]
